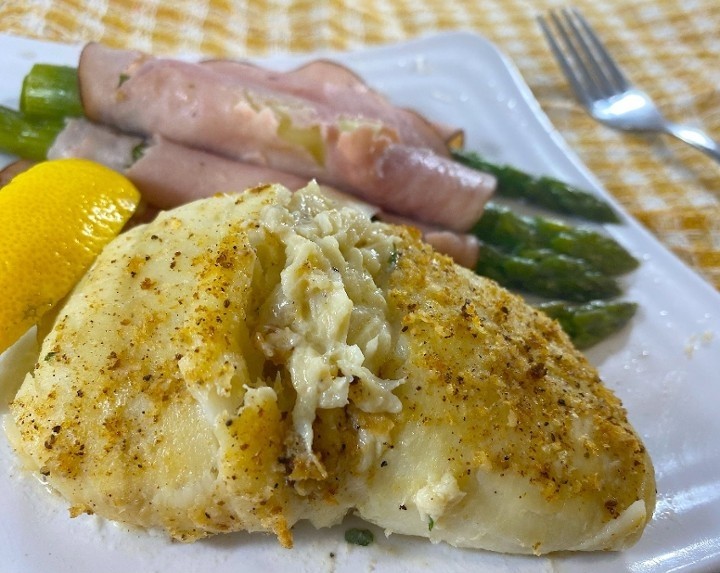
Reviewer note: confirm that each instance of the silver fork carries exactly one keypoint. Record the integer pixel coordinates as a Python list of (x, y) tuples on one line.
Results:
[(602, 88)]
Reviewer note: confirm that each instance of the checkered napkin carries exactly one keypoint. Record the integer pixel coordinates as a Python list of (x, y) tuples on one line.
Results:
[(669, 47)]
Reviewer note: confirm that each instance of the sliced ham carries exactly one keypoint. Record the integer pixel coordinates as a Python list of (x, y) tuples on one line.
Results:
[(197, 106), (81, 138), (464, 249), (333, 85), (392, 180), (169, 174)]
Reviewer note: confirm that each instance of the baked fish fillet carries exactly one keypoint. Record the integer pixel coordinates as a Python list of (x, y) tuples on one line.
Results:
[(248, 361)]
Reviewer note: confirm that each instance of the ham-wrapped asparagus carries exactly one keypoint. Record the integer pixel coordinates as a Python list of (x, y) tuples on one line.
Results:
[(170, 174), (247, 120)]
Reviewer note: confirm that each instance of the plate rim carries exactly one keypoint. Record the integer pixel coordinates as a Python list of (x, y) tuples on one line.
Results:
[(573, 162)]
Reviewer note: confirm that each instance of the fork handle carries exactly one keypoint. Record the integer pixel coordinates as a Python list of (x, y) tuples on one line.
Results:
[(696, 138)]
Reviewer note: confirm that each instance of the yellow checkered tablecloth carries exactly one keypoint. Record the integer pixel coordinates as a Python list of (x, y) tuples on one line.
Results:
[(669, 47)]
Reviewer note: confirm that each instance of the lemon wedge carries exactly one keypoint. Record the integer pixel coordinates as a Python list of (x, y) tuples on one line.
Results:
[(55, 219)]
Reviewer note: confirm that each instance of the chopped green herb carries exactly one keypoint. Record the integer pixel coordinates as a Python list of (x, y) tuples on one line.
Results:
[(138, 151), (122, 79), (357, 536), (49, 356), (392, 260), (431, 523)]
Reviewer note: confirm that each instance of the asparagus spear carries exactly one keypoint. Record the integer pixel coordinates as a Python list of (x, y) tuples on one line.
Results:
[(542, 191), (51, 91), (545, 273), (589, 323), (27, 138), (502, 227)]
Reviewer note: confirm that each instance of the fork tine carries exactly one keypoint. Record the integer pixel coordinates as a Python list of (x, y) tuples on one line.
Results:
[(584, 54), (619, 80), (589, 74), (575, 82)]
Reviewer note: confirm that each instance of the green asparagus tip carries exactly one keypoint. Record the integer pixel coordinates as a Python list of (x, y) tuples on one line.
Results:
[(506, 229), (545, 192), (590, 323), (545, 273)]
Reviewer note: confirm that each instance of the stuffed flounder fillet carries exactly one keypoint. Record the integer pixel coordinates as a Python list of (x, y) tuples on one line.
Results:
[(248, 361)]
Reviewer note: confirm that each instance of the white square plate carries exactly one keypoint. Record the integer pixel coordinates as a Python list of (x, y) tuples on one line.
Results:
[(665, 366)]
